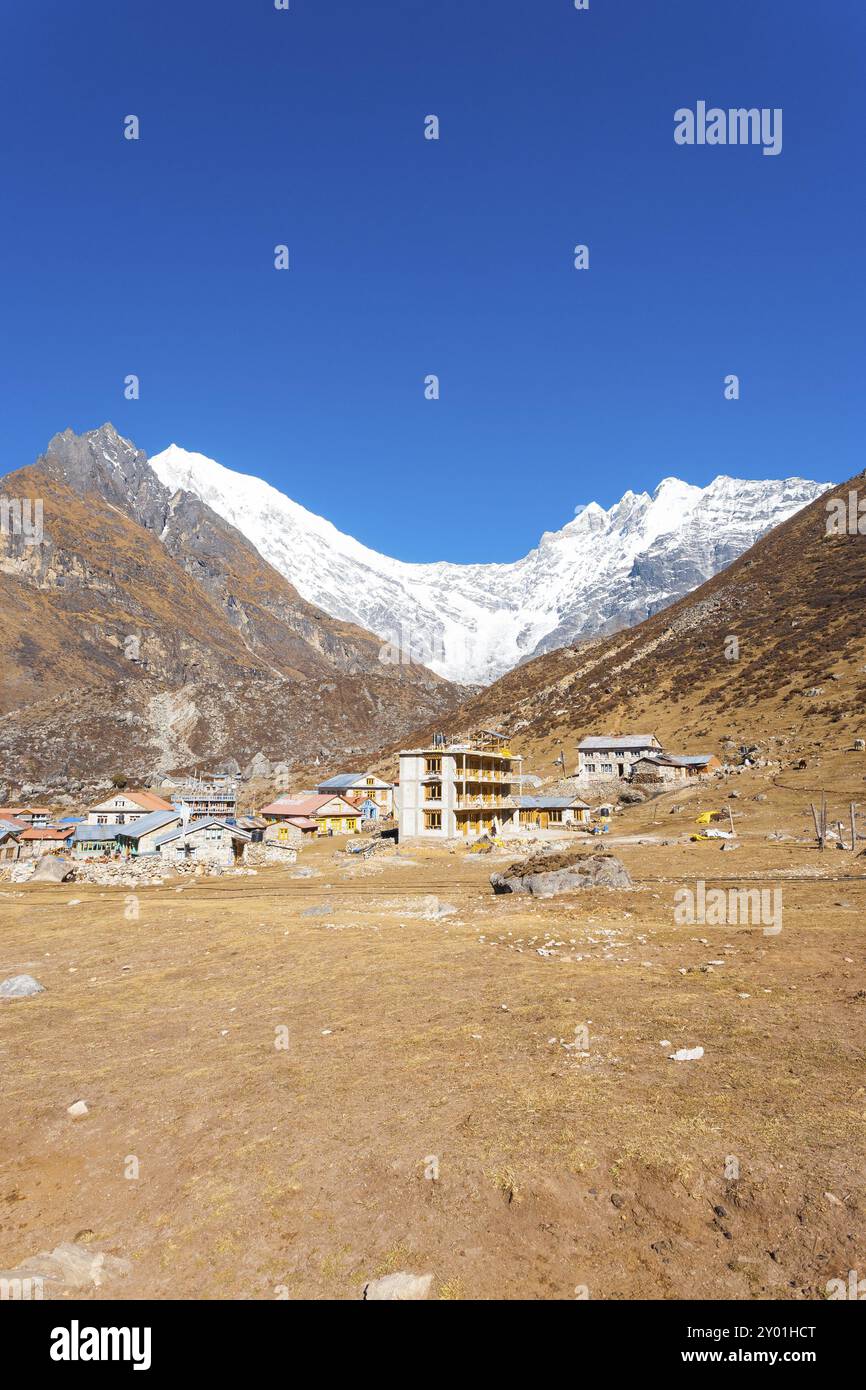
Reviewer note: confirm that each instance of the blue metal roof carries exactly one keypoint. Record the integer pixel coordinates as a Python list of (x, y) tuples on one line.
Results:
[(96, 832), (344, 779), (677, 759), (548, 803), (137, 828)]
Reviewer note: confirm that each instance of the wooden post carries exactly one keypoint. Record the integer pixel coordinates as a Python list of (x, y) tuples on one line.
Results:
[(853, 828), (815, 819), (731, 819)]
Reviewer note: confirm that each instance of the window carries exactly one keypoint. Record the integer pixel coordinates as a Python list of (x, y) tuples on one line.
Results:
[(432, 820), (607, 767), (433, 764), (371, 781), (590, 767)]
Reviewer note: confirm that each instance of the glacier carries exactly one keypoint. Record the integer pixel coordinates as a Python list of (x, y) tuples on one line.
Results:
[(605, 569)]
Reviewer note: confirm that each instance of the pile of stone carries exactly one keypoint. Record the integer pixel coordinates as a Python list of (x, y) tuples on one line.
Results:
[(128, 873), (270, 852), (367, 848), (545, 875)]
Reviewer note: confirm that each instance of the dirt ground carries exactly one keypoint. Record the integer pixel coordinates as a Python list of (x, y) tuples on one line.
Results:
[(328, 1077)]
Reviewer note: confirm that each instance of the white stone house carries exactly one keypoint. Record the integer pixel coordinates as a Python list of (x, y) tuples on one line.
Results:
[(124, 807), (609, 757), (204, 842)]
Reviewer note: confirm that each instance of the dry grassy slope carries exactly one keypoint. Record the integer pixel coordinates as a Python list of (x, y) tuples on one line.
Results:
[(233, 661), (794, 601)]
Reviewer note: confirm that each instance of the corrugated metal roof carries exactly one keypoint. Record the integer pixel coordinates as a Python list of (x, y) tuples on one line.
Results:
[(677, 759), (147, 801), (96, 832), (304, 805), (46, 832), (549, 803), (343, 779), (154, 821), (195, 826), (597, 742)]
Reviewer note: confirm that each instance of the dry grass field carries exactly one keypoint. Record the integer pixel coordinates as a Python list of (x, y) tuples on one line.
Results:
[(415, 1033)]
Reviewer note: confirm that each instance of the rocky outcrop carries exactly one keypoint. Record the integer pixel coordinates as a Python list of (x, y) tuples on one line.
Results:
[(546, 875)]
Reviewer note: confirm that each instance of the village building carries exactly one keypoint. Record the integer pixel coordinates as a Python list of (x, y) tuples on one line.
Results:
[(140, 836), (290, 832), (96, 841), (211, 794), (544, 812), (457, 789), (333, 815), (608, 757), (124, 807), (667, 768), (47, 839), (255, 825), (204, 842), (9, 832), (362, 787), (38, 816)]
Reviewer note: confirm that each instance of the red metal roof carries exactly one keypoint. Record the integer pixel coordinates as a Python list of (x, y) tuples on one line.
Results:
[(47, 832)]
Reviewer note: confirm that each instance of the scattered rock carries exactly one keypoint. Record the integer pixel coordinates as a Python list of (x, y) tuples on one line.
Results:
[(77, 1109), (70, 1266), (687, 1054), (20, 987), (631, 796), (434, 909), (398, 1288)]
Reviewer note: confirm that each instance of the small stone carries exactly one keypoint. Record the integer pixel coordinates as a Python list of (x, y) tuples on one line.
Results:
[(398, 1288), (20, 987), (77, 1109), (687, 1054)]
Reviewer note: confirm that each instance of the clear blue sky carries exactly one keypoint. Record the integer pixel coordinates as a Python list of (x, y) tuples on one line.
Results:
[(412, 257)]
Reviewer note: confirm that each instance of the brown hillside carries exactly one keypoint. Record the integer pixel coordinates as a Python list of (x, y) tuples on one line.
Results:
[(145, 634)]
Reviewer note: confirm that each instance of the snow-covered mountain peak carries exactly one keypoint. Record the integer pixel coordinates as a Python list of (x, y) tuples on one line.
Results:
[(604, 569)]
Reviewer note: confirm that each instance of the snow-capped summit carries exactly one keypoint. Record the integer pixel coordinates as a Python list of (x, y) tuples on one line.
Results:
[(603, 570)]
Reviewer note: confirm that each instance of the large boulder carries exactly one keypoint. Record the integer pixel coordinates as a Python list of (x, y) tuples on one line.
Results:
[(51, 869), (545, 875)]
